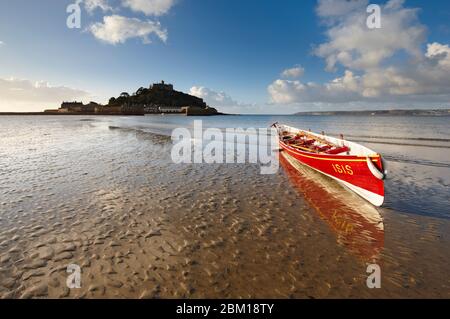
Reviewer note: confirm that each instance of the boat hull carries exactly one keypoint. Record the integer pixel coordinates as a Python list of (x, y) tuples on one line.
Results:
[(353, 172)]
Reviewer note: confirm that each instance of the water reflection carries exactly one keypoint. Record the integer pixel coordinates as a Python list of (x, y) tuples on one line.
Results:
[(357, 224)]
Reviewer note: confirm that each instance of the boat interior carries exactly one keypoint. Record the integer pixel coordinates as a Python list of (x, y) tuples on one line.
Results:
[(308, 141), (312, 143)]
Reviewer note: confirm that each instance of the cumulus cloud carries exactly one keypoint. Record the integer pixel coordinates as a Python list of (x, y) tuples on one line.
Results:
[(92, 5), (339, 90), (440, 54), (213, 98), (221, 100), (117, 29), (428, 81), (352, 44), (149, 7), (294, 72), (25, 95), (373, 70)]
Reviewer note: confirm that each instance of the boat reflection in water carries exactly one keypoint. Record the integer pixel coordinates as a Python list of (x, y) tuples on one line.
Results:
[(358, 225)]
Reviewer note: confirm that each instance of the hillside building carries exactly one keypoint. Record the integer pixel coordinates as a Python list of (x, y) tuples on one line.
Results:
[(162, 86)]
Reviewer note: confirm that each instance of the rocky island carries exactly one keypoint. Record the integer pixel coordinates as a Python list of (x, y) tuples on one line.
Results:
[(158, 98)]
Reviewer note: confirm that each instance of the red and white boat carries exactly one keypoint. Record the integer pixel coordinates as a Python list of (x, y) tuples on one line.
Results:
[(355, 166)]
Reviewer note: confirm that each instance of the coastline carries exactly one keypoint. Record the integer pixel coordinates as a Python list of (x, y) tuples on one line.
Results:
[(418, 112), (102, 114), (394, 112), (68, 113)]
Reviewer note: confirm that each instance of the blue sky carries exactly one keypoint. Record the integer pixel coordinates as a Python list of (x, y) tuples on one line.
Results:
[(231, 53)]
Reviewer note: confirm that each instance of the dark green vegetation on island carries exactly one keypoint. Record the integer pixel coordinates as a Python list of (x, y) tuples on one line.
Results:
[(159, 98), (435, 112), (160, 94)]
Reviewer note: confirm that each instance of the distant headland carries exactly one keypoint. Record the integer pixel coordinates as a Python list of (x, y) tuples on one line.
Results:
[(158, 98), (435, 112)]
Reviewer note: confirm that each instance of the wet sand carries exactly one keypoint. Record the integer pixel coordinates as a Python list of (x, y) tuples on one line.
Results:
[(111, 201)]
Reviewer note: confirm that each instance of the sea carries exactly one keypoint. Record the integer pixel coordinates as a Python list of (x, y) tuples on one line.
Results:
[(103, 193)]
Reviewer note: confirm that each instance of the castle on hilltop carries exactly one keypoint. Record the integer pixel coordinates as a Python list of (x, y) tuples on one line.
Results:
[(162, 86)]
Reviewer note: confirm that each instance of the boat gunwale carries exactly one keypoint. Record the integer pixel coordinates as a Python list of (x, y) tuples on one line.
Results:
[(354, 147), (328, 157)]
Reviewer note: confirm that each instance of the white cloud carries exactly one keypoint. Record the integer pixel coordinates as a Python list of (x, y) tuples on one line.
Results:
[(286, 91), (339, 90), (1, 43), (440, 54), (293, 73), (213, 98), (149, 7), (91, 5), (222, 101), (384, 65), (18, 95), (428, 81), (352, 44), (118, 29)]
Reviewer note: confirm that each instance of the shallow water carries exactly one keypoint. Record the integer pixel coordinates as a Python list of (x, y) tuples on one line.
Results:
[(103, 193), (417, 149)]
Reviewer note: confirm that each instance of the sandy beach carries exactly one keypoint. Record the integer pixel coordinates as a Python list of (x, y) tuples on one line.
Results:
[(104, 194)]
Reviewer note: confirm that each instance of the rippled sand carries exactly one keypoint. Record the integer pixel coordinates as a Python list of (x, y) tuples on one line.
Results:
[(111, 201)]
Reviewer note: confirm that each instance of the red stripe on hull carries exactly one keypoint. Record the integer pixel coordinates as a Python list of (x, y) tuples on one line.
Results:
[(351, 169)]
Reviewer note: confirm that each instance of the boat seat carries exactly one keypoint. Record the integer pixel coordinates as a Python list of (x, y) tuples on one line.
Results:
[(324, 148), (338, 150), (308, 142)]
